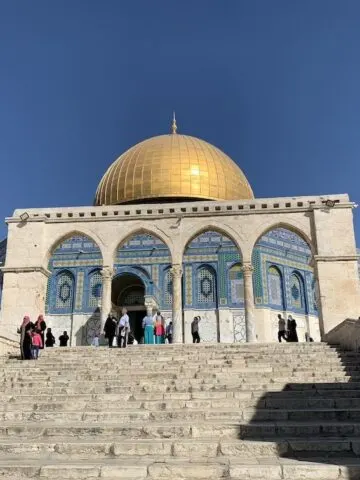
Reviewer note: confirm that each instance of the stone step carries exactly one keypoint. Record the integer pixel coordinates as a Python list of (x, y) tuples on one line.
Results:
[(270, 397), (165, 402), (164, 469), (284, 429), (156, 365), (175, 387), (237, 415), (183, 448), (181, 429), (189, 351), (128, 379), (206, 369), (192, 350), (226, 412), (197, 379), (175, 404), (181, 352)]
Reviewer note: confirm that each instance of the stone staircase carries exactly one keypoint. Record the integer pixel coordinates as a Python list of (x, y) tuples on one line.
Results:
[(274, 411)]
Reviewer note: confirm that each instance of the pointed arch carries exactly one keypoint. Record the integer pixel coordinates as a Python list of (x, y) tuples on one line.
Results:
[(95, 287), (67, 236), (79, 254), (61, 292), (221, 230), (297, 292), (285, 226), (215, 248), (279, 249), (275, 282), (206, 286), (167, 287), (162, 241), (236, 285)]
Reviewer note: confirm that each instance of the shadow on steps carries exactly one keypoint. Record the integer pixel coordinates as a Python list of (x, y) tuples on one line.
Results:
[(312, 422)]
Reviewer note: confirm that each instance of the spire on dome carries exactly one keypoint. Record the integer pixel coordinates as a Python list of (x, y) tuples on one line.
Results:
[(173, 125)]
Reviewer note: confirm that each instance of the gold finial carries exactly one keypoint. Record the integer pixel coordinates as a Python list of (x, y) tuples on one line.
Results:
[(173, 125)]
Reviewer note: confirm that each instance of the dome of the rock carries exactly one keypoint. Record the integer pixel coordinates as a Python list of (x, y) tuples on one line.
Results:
[(172, 168)]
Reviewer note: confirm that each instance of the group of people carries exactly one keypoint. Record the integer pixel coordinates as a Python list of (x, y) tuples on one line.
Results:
[(33, 338), (154, 328), (287, 329)]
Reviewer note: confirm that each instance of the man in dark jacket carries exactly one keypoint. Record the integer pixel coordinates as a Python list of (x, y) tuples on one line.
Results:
[(63, 339), (195, 329)]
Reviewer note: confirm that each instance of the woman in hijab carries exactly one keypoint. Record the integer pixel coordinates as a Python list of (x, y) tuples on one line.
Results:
[(110, 329), (148, 326), (25, 338), (40, 327), (50, 339), (293, 337)]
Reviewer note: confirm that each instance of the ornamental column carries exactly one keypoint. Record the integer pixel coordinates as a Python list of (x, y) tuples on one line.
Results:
[(176, 274), (247, 270), (107, 273)]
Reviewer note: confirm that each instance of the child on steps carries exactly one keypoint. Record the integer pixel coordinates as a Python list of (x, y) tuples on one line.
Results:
[(36, 344)]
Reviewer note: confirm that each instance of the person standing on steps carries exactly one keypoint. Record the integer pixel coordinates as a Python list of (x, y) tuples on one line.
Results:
[(148, 326), (25, 338), (63, 339), (159, 330), (50, 339), (124, 327), (293, 337), (36, 343), (169, 332), (281, 326), (195, 329), (40, 326), (110, 329), (288, 327)]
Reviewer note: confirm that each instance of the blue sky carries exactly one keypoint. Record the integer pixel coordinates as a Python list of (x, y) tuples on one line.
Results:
[(275, 84)]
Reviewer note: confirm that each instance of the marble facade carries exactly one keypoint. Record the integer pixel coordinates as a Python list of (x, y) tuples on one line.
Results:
[(326, 227)]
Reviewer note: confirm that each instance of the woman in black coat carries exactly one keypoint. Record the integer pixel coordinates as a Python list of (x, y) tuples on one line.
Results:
[(50, 339), (293, 337), (25, 338), (110, 329), (40, 326)]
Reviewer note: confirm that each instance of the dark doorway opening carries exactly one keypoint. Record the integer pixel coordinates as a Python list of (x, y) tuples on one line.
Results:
[(128, 291), (136, 318)]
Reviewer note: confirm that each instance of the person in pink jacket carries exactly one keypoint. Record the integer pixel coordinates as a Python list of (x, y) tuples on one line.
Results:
[(37, 343)]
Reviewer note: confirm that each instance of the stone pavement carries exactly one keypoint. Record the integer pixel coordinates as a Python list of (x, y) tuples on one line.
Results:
[(241, 411)]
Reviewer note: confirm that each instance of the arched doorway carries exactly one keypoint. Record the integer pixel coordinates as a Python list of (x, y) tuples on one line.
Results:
[(148, 258), (128, 290)]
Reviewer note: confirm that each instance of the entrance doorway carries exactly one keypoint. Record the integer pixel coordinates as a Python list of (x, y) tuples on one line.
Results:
[(128, 291)]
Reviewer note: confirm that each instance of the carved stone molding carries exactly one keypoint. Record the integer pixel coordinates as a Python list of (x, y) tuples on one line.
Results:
[(247, 269), (336, 258), (42, 270), (107, 273), (176, 271)]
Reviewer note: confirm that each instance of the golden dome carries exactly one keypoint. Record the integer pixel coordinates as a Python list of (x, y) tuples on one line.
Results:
[(172, 167)]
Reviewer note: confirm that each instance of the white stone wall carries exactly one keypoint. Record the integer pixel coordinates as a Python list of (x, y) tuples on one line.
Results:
[(329, 231), (224, 325), (267, 325), (81, 328), (208, 326)]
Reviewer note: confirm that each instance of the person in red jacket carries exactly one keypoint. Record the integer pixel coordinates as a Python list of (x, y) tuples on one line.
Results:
[(36, 344)]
